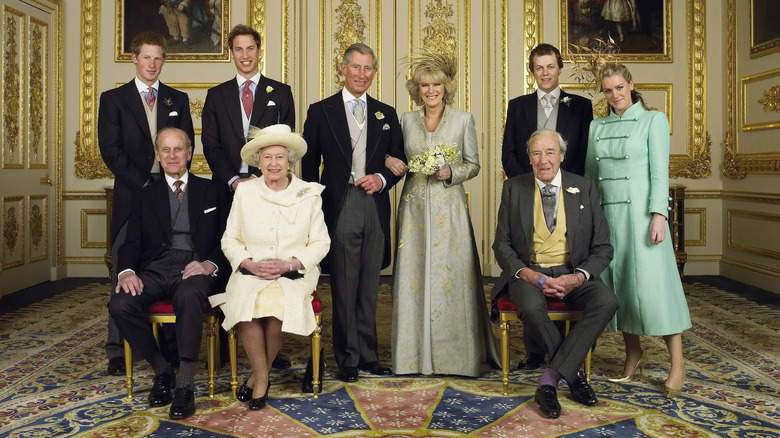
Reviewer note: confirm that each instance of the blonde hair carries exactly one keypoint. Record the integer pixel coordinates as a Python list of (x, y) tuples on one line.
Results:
[(613, 69), (438, 67)]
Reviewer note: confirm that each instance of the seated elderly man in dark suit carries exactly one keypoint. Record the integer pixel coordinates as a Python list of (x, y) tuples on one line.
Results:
[(552, 242), (172, 251)]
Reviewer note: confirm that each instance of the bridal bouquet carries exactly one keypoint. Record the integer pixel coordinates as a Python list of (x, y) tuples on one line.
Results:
[(434, 158)]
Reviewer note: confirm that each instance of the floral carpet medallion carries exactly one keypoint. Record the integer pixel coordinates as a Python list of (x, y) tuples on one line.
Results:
[(53, 383)]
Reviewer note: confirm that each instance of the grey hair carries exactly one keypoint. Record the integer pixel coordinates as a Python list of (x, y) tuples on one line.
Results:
[(360, 48), (544, 132), (181, 132), (292, 157)]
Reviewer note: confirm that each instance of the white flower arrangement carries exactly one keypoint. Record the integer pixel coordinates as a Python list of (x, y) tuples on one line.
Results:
[(566, 100), (434, 158), (379, 115)]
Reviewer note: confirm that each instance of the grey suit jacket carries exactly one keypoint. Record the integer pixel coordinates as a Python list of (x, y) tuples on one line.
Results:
[(587, 230)]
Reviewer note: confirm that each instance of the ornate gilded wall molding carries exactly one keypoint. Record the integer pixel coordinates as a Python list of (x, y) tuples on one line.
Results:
[(770, 99), (351, 29), (697, 163), (38, 218), (88, 163), (13, 150), (732, 215), (13, 231), (737, 165), (255, 12), (440, 35), (38, 96), (533, 33)]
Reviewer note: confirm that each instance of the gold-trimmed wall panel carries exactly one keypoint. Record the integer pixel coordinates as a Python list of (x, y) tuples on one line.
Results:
[(38, 106), (768, 220), (85, 219), (700, 214), (38, 228), (12, 133), (14, 231), (769, 101)]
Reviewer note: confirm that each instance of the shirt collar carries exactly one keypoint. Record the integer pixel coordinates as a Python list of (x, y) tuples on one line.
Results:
[(555, 182), (143, 87), (240, 79), (556, 93), (184, 178), (348, 97)]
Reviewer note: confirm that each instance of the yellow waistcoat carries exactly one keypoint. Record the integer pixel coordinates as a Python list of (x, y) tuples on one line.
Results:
[(550, 249)]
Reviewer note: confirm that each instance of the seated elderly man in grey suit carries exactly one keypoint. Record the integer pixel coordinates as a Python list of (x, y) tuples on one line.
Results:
[(552, 242)]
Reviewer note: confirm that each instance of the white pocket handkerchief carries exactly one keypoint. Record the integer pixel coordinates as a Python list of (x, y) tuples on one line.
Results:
[(581, 207), (173, 114), (271, 103), (209, 210), (386, 127)]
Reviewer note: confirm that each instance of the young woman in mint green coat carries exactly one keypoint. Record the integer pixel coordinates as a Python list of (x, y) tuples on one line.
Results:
[(628, 157)]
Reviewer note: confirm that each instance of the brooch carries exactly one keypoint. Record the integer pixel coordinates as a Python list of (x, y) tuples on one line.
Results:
[(303, 191)]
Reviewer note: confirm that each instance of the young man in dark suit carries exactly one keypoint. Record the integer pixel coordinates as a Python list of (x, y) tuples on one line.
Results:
[(128, 119), (172, 252), (248, 99), (353, 133), (552, 242), (552, 108)]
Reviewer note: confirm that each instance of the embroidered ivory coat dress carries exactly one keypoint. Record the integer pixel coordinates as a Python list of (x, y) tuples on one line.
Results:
[(628, 157), (440, 319), (264, 224)]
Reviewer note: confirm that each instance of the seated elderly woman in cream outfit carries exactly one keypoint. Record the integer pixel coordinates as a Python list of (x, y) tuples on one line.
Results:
[(275, 239)]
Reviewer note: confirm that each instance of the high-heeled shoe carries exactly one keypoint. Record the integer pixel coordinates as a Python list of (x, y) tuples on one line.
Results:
[(244, 393), (259, 403), (671, 392), (637, 368)]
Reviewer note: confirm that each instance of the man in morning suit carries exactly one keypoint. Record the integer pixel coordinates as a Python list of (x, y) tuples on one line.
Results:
[(248, 99), (231, 107), (172, 252), (353, 133), (552, 242), (551, 108), (128, 119)]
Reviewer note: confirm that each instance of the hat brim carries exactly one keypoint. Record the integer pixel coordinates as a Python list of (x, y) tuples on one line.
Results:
[(293, 142)]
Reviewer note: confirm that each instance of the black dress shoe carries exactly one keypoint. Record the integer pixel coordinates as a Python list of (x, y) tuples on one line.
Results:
[(162, 387), (348, 374), (281, 362), (376, 369), (547, 399), (244, 393), (307, 387), (532, 361), (581, 392), (183, 405), (256, 404), (116, 366)]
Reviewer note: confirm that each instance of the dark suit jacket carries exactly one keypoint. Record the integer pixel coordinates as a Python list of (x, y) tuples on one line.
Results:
[(127, 146), (587, 230), (327, 134), (149, 226), (223, 130), (573, 123)]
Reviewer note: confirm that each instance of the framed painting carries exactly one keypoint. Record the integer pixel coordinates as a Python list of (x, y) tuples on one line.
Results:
[(764, 32), (639, 30), (195, 30)]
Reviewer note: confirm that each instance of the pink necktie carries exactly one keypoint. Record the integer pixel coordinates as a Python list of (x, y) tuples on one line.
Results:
[(150, 98), (247, 98)]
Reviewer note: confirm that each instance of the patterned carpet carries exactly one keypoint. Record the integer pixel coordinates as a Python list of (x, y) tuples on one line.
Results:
[(53, 383)]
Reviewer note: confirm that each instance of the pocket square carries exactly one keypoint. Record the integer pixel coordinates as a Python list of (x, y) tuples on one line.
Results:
[(386, 127), (581, 206), (271, 103), (173, 114), (209, 210)]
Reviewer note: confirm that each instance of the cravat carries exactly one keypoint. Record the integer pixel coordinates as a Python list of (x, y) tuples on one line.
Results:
[(548, 206), (150, 98), (178, 192), (247, 98), (358, 111)]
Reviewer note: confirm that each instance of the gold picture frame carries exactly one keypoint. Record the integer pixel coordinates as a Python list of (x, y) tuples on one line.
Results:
[(764, 32), (646, 36), (205, 24)]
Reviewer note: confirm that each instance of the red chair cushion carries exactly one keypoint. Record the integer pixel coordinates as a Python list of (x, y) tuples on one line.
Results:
[(505, 305), (165, 307), (316, 304)]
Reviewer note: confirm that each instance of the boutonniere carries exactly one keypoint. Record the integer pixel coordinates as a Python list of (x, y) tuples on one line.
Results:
[(303, 191), (269, 89), (379, 115), (573, 190), (168, 101), (566, 100)]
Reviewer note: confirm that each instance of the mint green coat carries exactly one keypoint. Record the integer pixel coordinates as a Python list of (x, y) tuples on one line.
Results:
[(628, 157)]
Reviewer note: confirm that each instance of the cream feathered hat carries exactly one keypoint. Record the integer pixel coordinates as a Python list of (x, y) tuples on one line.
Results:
[(274, 135)]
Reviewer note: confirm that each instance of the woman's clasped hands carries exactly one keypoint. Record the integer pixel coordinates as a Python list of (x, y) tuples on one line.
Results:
[(267, 269)]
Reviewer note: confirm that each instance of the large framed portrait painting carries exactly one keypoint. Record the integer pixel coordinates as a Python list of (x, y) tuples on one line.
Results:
[(764, 29), (638, 30), (195, 30)]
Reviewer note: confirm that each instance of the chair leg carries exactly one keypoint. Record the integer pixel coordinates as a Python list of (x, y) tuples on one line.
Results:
[(128, 370), (232, 346), (315, 356), (211, 333), (505, 355)]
